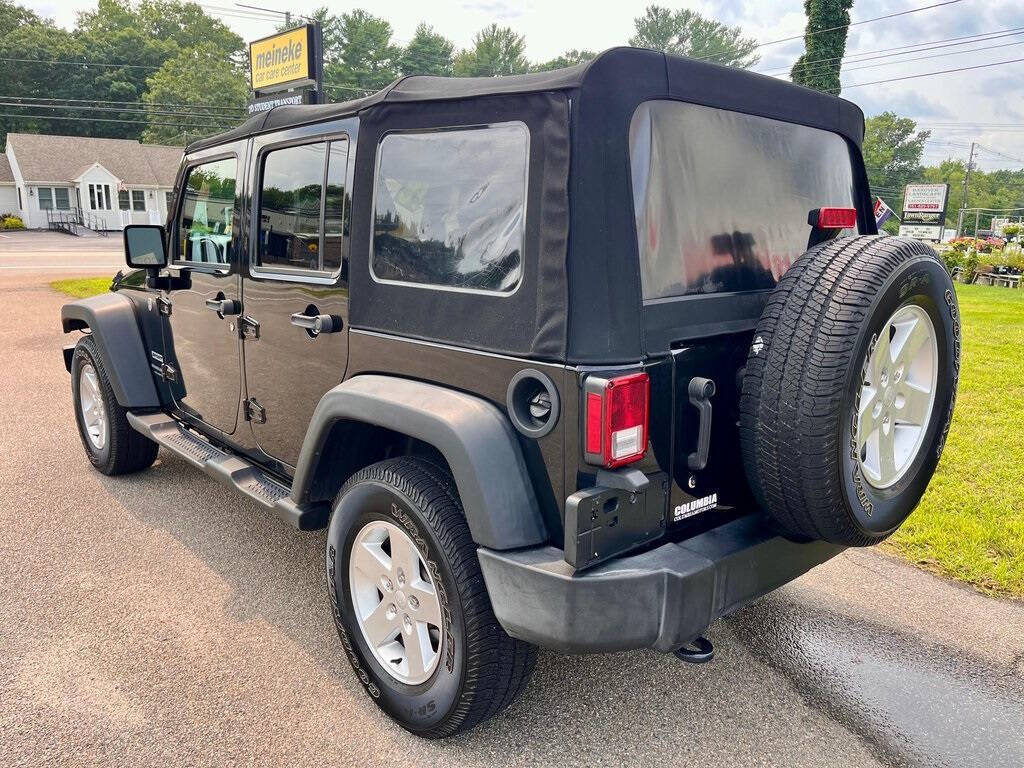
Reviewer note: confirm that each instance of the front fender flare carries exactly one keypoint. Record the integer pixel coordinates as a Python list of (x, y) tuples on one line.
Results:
[(111, 319), (475, 438)]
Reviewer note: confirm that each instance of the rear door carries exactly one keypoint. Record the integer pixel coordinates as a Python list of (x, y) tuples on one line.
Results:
[(200, 341), (297, 271)]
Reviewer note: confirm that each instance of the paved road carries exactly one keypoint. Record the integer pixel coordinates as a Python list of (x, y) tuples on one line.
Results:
[(58, 255), (159, 619)]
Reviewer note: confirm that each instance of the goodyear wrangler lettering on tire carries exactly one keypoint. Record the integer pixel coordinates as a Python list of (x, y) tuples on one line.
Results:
[(346, 643), (844, 412), (435, 573)]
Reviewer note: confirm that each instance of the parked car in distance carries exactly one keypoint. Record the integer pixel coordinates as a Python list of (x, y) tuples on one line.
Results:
[(582, 359)]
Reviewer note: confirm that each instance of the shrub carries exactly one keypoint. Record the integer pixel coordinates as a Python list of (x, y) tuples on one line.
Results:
[(1011, 230), (11, 222)]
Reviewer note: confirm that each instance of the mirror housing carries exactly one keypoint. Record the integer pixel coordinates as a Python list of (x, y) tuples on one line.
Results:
[(145, 247)]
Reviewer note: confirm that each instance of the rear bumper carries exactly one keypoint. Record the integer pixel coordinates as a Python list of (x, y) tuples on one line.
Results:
[(661, 599)]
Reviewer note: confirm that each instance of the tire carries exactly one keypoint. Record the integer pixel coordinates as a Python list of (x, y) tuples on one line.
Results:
[(815, 465), (117, 449), (479, 670)]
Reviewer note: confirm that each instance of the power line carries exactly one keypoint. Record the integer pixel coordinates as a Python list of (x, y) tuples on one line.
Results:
[(110, 120), (823, 67), (1000, 154), (931, 74), (856, 58), (131, 103), (221, 119), (79, 63), (805, 35)]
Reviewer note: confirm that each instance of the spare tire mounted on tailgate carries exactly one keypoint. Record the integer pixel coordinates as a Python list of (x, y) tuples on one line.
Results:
[(849, 388)]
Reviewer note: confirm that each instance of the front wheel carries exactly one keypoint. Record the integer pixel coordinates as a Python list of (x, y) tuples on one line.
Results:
[(410, 603), (111, 444)]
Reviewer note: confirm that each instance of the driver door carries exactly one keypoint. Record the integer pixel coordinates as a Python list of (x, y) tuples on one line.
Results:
[(201, 339)]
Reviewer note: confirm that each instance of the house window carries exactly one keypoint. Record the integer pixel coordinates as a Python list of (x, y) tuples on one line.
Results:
[(61, 199), (138, 200), (99, 197), (45, 199), (122, 200)]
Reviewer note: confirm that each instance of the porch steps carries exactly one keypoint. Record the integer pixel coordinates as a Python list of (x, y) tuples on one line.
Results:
[(230, 469)]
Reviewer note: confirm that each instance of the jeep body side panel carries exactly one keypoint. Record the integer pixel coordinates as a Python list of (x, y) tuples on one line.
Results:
[(487, 376), (111, 319), (475, 438)]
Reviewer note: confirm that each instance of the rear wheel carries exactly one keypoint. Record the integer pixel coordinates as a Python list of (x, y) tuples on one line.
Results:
[(111, 444), (410, 604), (849, 388)]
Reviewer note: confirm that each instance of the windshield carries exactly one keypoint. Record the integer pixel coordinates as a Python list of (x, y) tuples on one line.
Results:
[(721, 198)]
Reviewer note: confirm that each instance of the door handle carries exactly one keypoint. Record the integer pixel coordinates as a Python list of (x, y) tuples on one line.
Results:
[(317, 324), (224, 306)]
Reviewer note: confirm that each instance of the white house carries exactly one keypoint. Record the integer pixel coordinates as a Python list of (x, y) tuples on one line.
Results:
[(8, 194), (107, 182)]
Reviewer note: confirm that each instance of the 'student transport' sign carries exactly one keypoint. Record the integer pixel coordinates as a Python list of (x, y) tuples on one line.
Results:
[(282, 61)]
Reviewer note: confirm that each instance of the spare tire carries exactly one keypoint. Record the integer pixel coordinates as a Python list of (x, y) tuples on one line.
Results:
[(849, 388)]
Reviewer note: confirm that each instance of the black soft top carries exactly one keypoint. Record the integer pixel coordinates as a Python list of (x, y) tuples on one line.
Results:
[(601, 73), (580, 299)]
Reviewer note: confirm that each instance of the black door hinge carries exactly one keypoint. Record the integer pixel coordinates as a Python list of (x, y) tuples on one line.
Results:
[(248, 328), (167, 372), (163, 306), (255, 412)]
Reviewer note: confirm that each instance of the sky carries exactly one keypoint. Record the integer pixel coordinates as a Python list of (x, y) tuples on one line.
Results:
[(984, 105)]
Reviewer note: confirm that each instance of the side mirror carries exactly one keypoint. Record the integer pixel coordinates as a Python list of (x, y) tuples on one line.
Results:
[(144, 246)]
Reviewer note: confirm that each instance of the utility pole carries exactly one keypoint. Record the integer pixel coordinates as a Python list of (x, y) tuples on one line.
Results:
[(963, 201), (288, 20)]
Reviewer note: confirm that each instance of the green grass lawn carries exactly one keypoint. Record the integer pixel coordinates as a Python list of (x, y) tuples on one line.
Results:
[(81, 287), (970, 524)]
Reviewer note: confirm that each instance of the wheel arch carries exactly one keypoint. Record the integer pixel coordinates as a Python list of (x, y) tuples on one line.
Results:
[(110, 318), (371, 417)]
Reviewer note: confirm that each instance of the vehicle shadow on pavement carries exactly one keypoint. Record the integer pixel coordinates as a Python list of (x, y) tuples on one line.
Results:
[(792, 683)]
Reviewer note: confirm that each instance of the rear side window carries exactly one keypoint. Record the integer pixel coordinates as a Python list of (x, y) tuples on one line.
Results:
[(450, 208), (302, 208), (721, 198)]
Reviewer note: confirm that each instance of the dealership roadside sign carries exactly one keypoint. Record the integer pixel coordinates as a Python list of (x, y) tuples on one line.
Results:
[(290, 61), (924, 211)]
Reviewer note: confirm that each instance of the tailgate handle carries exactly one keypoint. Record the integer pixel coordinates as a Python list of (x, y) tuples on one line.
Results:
[(701, 391)]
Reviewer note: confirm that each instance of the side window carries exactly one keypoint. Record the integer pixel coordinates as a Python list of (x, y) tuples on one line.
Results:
[(138, 200), (45, 199), (207, 213), (303, 220), (450, 207), (60, 196), (122, 200)]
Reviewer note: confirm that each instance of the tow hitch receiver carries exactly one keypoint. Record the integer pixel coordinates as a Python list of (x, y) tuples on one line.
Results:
[(700, 651)]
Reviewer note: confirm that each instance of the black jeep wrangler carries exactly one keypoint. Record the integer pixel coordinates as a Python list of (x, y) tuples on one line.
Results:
[(580, 359)]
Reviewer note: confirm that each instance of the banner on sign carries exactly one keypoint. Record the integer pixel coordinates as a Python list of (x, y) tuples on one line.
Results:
[(882, 212)]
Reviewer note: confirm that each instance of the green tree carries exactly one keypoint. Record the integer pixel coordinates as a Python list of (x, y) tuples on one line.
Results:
[(567, 59), (428, 53), (496, 51), (688, 33), (199, 75), (365, 59), (824, 45), (892, 154), (13, 15)]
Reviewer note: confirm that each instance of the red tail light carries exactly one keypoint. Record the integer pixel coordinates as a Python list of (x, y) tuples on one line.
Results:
[(833, 218), (616, 419)]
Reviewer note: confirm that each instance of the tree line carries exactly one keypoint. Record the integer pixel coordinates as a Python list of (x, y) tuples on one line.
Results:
[(166, 71)]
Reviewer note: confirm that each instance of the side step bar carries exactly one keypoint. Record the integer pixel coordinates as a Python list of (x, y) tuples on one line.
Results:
[(230, 469)]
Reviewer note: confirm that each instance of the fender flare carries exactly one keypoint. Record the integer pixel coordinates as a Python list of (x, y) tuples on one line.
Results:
[(110, 317), (475, 438)]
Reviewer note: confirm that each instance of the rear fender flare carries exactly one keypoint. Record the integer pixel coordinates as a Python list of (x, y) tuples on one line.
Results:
[(110, 317), (475, 438)]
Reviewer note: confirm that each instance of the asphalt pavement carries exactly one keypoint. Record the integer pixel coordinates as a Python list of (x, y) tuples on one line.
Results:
[(160, 619)]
